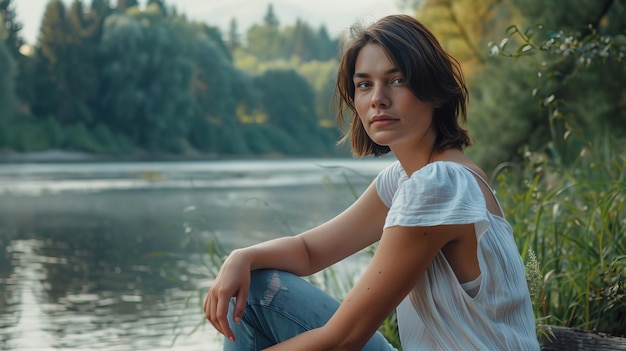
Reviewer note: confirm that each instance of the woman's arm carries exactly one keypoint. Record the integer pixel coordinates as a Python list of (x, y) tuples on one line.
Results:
[(357, 227), (401, 259), (354, 229)]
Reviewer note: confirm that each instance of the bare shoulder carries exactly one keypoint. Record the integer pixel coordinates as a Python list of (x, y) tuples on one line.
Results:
[(458, 156)]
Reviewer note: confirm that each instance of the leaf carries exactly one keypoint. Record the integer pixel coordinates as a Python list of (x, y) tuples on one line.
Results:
[(503, 42), (494, 50), (512, 29)]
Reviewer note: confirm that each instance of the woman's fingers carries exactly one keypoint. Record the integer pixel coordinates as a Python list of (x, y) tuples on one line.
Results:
[(205, 305), (209, 303), (240, 302), (221, 316), (233, 280)]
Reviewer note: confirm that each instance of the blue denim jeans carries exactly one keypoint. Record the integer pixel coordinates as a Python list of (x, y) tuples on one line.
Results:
[(280, 306)]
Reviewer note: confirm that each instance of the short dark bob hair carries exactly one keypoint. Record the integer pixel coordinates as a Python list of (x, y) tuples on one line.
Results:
[(432, 76)]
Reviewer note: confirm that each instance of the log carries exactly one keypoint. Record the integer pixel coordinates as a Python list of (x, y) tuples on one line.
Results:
[(554, 338)]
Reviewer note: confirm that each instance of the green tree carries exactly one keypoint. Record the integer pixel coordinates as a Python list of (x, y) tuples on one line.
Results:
[(233, 42), (158, 4), (328, 47), (270, 18), (145, 82), (14, 42), (123, 5), (216, 90), (48, 71), (11, 28), (264, 42), (8, 98), (569, 82), (169, 84), (289, 102), (83, 79), (101, 8), (321, 75), (215, 36), (304, 42), (67, 53), (537, 100), (309, 45), (464, 27), (269, 42)]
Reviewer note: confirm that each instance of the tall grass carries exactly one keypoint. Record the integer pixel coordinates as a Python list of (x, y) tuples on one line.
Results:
[(570, 225), (572, 217)]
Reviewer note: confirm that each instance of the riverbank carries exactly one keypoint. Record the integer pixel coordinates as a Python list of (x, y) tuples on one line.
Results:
[(55, 155), (47, 156), (77, 156)]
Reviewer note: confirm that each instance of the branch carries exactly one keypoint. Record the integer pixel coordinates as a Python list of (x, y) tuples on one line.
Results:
[(463, 32)]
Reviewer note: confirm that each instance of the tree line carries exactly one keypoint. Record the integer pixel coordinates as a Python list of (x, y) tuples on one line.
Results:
[(131, 79), (128, 79)]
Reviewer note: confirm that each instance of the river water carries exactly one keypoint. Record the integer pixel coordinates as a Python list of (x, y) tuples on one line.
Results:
[(115, 256)]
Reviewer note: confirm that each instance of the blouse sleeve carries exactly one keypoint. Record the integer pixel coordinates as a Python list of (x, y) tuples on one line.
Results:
[(387, 182), (438, 194)]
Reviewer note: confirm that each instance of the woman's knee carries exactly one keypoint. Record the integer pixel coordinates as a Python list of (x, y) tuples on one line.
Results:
[(266, 283)]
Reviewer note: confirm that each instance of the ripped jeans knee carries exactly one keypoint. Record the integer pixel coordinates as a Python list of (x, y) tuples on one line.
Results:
[(281, 305)]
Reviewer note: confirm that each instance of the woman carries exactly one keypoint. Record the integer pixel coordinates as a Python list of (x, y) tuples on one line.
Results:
[(446, 259)]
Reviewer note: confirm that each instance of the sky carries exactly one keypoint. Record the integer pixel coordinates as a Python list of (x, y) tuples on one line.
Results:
[(337, 15)]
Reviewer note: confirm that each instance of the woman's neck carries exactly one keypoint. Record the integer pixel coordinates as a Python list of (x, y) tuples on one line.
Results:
[(412, 162)]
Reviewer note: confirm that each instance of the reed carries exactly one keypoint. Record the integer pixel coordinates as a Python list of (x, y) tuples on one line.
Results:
[(571, 219)]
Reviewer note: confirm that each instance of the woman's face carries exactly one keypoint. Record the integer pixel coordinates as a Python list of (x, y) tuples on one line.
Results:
[(388, 110)]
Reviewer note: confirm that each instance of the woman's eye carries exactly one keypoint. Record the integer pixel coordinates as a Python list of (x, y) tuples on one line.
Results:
[(399, 80), (363, 85)]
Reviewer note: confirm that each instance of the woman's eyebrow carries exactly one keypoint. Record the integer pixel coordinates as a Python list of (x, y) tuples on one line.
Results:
[(366, 75)]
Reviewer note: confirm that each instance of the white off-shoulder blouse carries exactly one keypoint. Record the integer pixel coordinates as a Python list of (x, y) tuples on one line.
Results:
[(439, 314)]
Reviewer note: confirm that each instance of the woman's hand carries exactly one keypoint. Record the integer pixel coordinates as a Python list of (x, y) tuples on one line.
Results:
[(233, 280)]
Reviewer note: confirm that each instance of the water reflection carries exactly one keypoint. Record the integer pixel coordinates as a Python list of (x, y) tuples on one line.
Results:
[(124, 269), (36, 179), (58, 298)]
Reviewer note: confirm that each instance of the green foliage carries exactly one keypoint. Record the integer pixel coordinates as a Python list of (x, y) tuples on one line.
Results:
[(124, 5), (157, 6), (566, 197), (8, 99), (264, 42), (258, 136), (536, 99), (574, 17), (54, 31), (101, 8), (66, 56), (145, 82), (233, 42), (573, 217), (547, 75), (10, 28), (322, 76), (32, 134), (289, 103), (270, 18), (502, 113), (149, 79), (268, 42)]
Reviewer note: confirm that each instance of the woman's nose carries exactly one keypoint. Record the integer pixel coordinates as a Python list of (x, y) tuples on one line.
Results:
[(380, 98)]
